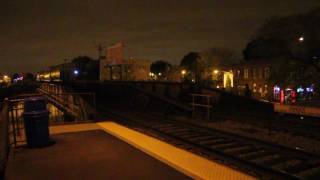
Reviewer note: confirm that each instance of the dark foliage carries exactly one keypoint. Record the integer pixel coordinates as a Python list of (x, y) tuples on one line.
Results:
[(87, 67), (160, 66)]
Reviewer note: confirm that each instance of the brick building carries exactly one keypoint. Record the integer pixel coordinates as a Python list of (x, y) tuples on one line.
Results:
[(116, 67), (255, 74)]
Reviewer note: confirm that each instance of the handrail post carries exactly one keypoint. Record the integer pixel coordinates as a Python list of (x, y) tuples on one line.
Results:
[(4, 137), (94, 100), (208, 107), (193, 106)]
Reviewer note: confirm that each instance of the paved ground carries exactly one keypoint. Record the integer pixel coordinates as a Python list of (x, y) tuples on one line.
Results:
[(90, 154)]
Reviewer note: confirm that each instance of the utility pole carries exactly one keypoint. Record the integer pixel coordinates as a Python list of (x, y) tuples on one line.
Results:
[(100, 48), (64, 69)]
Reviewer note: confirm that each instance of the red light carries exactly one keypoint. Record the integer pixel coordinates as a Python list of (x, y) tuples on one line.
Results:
[(293, 96), (281, 96)]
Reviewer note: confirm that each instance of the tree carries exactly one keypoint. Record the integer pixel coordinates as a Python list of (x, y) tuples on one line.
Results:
[(265, 48), (29, 77), (219, 57), (296, 39), (86, 67), (160, 67), (192, 65)]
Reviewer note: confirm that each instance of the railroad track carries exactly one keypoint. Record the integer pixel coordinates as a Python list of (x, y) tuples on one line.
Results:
[(265, 160), (302, 127)]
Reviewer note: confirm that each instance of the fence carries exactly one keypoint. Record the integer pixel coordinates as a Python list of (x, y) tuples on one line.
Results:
[(15, 120), (201, 101)]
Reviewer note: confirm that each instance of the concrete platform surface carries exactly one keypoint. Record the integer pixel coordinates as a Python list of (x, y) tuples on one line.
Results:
[(92, 154)]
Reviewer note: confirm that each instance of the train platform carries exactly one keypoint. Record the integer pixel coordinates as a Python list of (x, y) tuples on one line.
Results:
[(108, 150)]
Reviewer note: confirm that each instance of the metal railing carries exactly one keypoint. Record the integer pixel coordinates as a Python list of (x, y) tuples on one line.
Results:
[(75, 104), (72, 103), (201, 101), (15, 120), (4, 137)]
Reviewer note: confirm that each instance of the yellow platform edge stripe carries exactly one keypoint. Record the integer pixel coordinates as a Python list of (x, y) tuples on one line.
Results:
[(67, 128), (183, 161)]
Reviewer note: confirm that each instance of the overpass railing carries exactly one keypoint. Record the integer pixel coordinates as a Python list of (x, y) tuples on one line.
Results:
[(81, 105)]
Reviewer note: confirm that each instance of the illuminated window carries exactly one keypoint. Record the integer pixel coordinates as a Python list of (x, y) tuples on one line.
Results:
[(246, 73), (266, 88), (266, 72), (238, 73)]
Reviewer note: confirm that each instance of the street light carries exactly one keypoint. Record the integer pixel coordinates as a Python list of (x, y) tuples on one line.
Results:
[(301, 38), (183, 72), (227, 76), (75, 72)]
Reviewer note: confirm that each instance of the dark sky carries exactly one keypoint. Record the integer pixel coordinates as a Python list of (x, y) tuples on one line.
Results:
[(36, 34)]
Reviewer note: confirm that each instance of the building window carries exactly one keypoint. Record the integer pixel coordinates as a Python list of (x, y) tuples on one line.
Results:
[(260, 72), (238, 73), (254, 73), (265, 88), (246, 73), (266, 72)]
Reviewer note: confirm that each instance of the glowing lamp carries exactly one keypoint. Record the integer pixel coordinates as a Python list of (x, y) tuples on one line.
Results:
[(309, 89), (300, 90), (301, 38), (75, 72), (276, 89)]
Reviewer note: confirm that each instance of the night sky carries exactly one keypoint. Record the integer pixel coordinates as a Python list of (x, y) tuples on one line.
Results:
[(36, 34)]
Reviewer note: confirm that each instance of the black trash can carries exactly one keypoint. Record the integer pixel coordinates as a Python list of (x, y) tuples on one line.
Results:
[(36, 121)]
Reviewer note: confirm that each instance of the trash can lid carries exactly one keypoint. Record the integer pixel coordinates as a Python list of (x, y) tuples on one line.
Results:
[(38, 103), (36, 112), (35, 98)]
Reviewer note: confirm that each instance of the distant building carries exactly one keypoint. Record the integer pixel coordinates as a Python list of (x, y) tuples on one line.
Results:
[(116, 67), (138, 69), (255, 74)]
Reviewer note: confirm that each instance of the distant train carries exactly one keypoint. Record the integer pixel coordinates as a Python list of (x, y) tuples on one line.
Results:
[(49, 76), (70, 72)]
